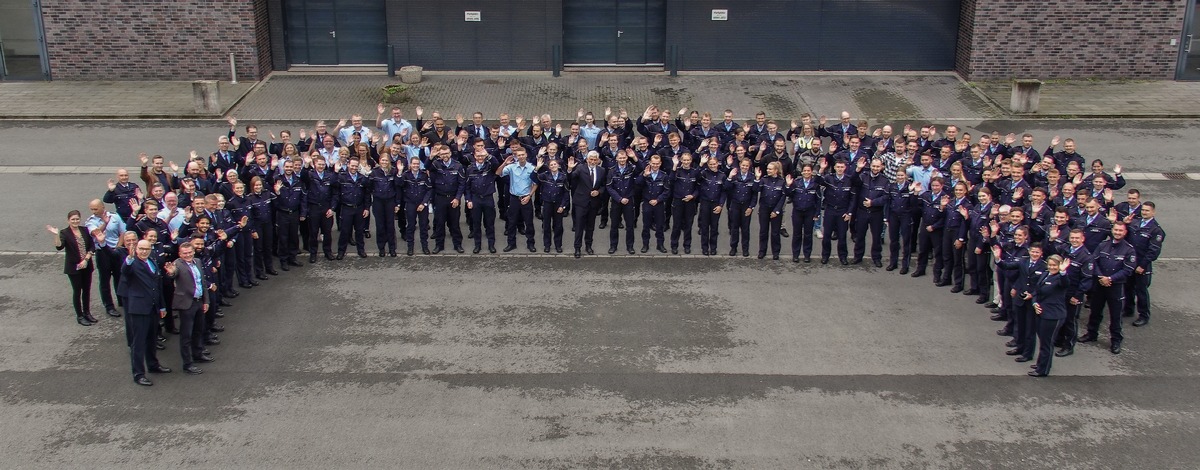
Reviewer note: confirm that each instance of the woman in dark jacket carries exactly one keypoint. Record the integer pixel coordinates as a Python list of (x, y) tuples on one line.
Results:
[(1050, 305), (78, 264)]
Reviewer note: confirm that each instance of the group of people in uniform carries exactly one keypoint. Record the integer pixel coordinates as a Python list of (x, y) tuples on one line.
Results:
[(1033, 236)]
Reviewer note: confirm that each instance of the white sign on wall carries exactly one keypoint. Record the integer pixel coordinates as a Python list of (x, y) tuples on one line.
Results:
[(473, 16), (720, 15)]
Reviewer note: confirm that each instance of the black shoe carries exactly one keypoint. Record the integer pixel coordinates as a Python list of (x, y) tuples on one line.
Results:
[(762, 255), (783, 232), (918, 274), (83, 321), (1012, 352), (878, 263), (745, 253), (733, 252), (824, 260), (362, 254), (476, 250), (143, 381), (218, 314), (293, 262), (204, 358), (217, 328), (970, 292), (341, 256), (223, 303), (273, 272), (856, 261), (329, 256), (546, 249), (312, 258), (998, 317), (382, 254), (687, 251), (1023, 359), (956, 290), (1064, 352), (775, 257), (941, 284), (661, 249), (620, 225), (890, 267), (366, 234), (254, 284), (532, 249), (603, 225), (645, 248), (1012, 343), (991, 305), (578, 254), (904, 270), (510, 248), (439, 250), (1004, 332), (261, 277), (589, 251), (558, 249), (1115, 348), (458, 249), (1141, 321), (981, 300), (112, 312), (212, 341), (844, 261), (409, 252), (160, 346), (232, 294), (795, 259), (159, 370), (674, 251), (392, 253), (425, 251), (1087, 339), (807, 259), (492, 249), (630, 250), (192, 370), (1034, 373)]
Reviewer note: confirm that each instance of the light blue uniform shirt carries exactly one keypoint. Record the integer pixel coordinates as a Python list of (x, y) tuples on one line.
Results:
[(346, 132), (112, 231), (199, 280), (391, 127), (520, 181), (920, 174), (590, 133)]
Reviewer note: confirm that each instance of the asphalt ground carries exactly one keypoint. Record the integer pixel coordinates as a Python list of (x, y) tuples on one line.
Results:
[(535, 361)]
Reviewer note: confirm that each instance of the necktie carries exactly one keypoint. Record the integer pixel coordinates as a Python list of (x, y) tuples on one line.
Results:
[(151, 266)]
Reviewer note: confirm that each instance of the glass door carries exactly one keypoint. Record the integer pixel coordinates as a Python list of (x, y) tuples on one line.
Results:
[(1189, 55)]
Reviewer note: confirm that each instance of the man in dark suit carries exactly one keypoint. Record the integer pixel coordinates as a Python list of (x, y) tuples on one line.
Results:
[(587, 183), (190, 303), (144, 304)]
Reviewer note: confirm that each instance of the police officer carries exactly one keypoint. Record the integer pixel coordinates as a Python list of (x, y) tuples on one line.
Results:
[(742, 194), (903, 199), (872, 197), (448, 187), (481, 200), (318, 183), (656, 190), (383, 203), (933, 223), (1049, 297), (556, 199), (417, 193), (243, 247), (1080, 282), (772, 198), (1008, 255), (979, 255), (588, 197), (1029, 269), (352, 199), (522, 184), (1096, 227), (1115, 261), (954, 239), (685, 189), (1146, 236), (711, 191), (838, 191), (621, 188), (291, 207), (262, 230)]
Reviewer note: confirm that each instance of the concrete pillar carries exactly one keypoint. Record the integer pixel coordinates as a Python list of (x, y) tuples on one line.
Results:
[(206, 97), (1026, 94)]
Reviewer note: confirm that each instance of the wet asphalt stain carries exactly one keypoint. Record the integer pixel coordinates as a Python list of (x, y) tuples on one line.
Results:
[(884, 104)]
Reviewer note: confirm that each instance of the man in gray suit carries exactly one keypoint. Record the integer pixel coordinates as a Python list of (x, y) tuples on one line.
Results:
[(190, 304)]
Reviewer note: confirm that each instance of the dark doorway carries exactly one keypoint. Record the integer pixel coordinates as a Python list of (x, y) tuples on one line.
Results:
[(1189, 55), (334, 32), (22, 49), (614, 32)]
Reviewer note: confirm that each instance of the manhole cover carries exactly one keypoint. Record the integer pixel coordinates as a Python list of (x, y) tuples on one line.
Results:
[(1176, 176)]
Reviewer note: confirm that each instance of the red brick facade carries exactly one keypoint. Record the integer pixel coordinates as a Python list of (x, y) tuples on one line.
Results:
[(156, 39), (1105, 39)]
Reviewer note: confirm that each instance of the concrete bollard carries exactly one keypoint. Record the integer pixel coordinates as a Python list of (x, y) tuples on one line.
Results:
[(1026, 94), (411, 73), (206, 95)]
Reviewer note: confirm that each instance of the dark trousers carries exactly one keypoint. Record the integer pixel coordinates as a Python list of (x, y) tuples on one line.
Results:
[(1047, 330), (413, 220), (868, 219), (168, 321), (584, 220), (604, 208), (621, 212), (768, 230), (710, 224), (502, 196), (483, 221), (243, 249), (351, 222), (655, 216), (264, 247), (385, 223), (304, 240), (802, 232), (899, 240), (287, 228), (108, 262), (318, 224), (192, 329), (445, 217), (832, 225), (519, 215), (401, 221), (1068, 335), (1025, 331), (81, 291), (1114, 298), (683, 214), (930, 247), (228, 268), (739, 226), (1137, 292), (953, 259), (142, 350), (552, 225), (979, 268)]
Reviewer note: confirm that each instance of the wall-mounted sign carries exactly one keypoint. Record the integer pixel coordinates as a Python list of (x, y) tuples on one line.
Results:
[(720, 15), (473, 16)]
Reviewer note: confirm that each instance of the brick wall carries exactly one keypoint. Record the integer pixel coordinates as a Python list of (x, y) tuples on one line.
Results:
[(156, 39), (1070, 39)]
